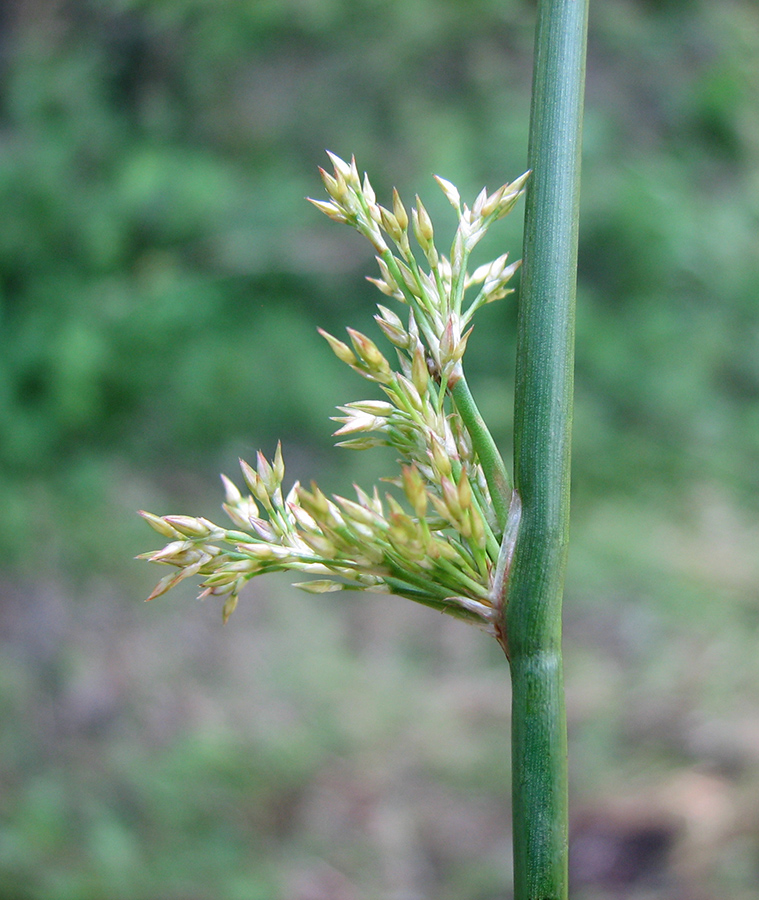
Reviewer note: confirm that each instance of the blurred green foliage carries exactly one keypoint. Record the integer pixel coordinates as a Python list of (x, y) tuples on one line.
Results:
[(161, 279)]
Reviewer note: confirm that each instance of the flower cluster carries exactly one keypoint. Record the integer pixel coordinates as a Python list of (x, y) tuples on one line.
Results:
[(445, 540)]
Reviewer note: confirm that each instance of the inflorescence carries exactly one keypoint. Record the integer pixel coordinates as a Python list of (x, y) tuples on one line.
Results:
[(445, 540)]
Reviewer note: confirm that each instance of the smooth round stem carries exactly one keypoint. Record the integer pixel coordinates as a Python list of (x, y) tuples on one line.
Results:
[(542, 438)]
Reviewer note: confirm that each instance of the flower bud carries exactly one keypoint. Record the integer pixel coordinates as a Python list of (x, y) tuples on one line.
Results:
[(422, 225), (342, 351), (400, 211)]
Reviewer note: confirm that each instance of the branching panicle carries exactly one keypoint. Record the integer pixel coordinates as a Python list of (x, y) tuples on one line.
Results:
[(444, 547)]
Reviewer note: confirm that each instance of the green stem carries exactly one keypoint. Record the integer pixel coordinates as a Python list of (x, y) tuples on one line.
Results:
[(542, 437), (490, 459)]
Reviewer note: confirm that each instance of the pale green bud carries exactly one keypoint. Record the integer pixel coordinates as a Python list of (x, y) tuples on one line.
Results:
[(422, 225), (342, 351), (319, 586), (160, 525), (370, 355), (414, 488), (399, 210), (330, 210), (419, 372), (391, 225)]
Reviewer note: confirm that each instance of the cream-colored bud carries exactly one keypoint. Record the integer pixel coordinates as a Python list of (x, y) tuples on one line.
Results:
[(329, 209), (358, 422), (479, 203), (450, 192), (231, 493), (491, 202), (189, 526), (340, 165), (368, 191), (158, 524), (372, 407)]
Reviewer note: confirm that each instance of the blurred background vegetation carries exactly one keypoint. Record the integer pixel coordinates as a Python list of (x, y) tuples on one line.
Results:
[(161, 280)]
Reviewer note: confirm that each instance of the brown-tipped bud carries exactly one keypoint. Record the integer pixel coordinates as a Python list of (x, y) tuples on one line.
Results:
[(419, 372), (413, 486), (342, 351), (422, 225), (400, 210), (160, 525)]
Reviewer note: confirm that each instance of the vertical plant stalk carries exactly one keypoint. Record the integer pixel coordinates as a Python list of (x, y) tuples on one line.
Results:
[(542, 438)]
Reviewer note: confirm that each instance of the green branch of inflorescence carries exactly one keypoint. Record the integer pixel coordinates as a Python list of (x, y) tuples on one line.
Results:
[(446, 540)]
